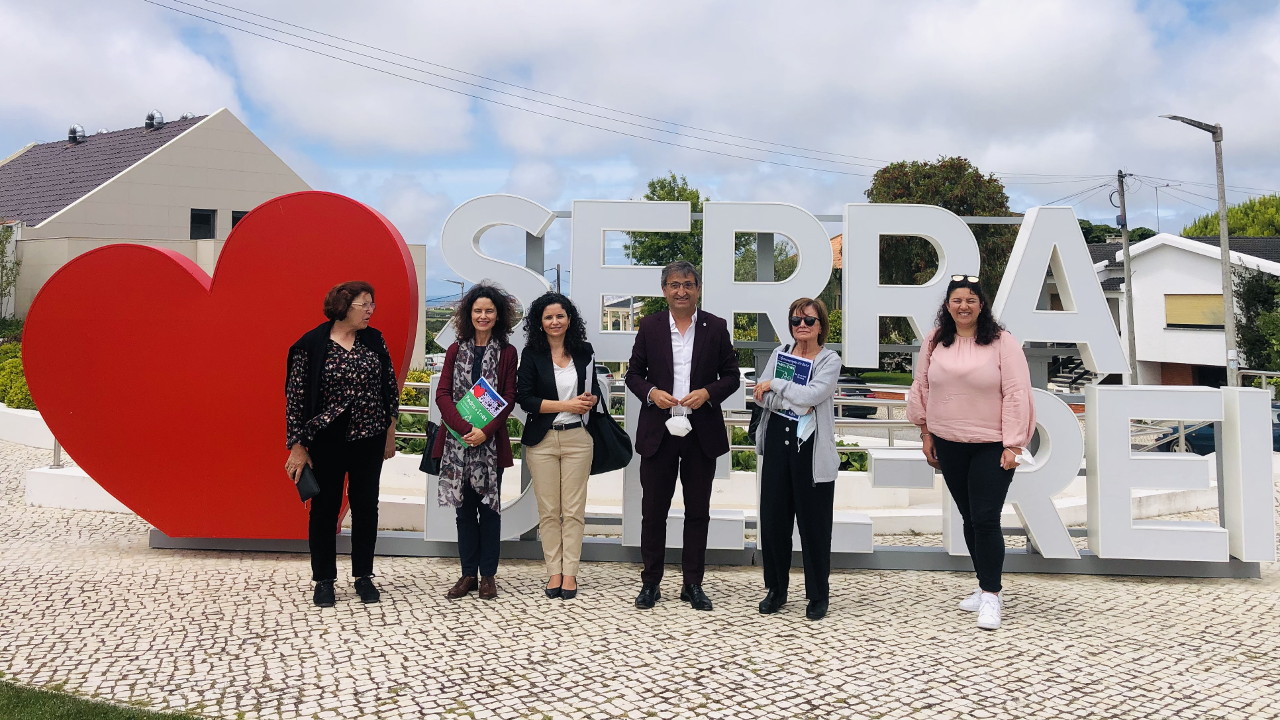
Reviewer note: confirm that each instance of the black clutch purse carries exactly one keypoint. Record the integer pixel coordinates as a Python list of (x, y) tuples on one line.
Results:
[(307, 485)]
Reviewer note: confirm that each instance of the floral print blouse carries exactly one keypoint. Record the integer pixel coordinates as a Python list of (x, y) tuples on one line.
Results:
[(350, 382)]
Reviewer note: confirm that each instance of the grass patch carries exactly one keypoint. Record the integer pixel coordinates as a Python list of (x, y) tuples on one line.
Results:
[(17, 702), (881, 377)]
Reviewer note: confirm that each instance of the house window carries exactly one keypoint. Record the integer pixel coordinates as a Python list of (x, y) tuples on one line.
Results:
[(1195, 312), (203, 223), (236, 215)]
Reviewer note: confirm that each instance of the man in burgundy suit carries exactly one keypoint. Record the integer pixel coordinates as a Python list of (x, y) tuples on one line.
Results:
[(682, 358)]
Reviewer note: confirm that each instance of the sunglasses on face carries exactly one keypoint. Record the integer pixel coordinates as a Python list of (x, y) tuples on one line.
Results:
[(970, 278), (808, 320)]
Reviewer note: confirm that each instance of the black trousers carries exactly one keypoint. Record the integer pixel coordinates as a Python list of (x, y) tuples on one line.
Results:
[(790, 497), (979, 486), (333, 458), (479, 532), (682, 456)]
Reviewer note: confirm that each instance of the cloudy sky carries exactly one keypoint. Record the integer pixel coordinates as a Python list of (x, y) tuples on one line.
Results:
[(414, 107)]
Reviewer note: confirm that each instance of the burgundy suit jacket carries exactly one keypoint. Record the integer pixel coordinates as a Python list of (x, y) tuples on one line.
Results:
[(714, 368)]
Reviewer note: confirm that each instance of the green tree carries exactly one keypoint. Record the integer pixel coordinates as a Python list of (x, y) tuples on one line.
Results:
[(664, 248), (952, 183), (1100, 233), (9, 267), (1256, 217), (1258, 318)]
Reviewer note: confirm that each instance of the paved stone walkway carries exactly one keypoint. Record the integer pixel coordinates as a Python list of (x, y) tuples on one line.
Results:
[(85, 605)]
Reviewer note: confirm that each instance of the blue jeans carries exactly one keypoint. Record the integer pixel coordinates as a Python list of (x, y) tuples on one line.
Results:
[(479, 533)]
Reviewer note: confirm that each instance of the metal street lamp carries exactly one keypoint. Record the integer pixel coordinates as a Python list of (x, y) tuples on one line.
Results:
[(1228, 292), (461, 286)]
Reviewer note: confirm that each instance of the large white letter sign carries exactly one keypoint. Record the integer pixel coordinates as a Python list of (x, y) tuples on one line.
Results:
[(1031, 494), (1247, 489), (863, 226), (1057, 465), (1050, 237), (724, 296), (460, 245), (592, 279), (1114, 471)]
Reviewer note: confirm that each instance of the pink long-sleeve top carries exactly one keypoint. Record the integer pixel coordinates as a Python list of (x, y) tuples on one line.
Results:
[(974, 393)]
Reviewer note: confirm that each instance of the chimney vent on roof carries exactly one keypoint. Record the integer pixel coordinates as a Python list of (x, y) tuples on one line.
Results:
[(75, 134), (155, 120), (188, 115)]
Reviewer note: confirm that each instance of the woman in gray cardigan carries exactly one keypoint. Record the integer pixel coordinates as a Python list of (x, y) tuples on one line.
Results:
[(797, 447)]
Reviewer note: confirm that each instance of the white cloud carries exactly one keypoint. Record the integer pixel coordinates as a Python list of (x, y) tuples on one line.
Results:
[(100, 66)]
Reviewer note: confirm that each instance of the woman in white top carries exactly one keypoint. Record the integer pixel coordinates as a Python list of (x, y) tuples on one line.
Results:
[(555, 368)]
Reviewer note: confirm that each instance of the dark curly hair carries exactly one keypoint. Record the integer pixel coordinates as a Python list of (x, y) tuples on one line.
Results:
[(575, 338), (506, 305), (988, 329)]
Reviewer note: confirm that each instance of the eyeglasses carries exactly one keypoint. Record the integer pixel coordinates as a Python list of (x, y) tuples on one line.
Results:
[(808, 320), (686, 285), (970, 278), (371, 305)]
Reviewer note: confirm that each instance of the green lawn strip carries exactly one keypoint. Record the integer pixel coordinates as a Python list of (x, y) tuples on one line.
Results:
[(24, 703), (880, 377)]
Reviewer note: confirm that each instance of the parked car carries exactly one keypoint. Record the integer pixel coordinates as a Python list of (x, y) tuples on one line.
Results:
[(1203, 440), (852, 385), (605, 377)]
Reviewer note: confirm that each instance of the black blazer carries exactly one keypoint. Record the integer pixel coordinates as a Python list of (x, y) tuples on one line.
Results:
[(536, 381), (715, 369)]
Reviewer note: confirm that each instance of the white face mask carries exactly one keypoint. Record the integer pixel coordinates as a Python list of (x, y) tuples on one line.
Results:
[(678, 425)]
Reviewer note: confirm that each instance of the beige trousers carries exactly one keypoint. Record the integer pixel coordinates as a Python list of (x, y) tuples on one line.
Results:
[(560, 466)]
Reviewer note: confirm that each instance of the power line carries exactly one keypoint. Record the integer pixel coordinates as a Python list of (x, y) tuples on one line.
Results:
[(486, 88)]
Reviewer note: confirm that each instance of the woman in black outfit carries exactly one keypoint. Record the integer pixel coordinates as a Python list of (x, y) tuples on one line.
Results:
[(341, 404)]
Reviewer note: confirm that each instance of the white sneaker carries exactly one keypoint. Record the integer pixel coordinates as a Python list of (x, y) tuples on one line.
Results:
[(989, 611), (971, 603)]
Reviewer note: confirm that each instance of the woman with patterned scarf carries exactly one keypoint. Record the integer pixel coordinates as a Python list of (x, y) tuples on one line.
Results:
[(471, 462)]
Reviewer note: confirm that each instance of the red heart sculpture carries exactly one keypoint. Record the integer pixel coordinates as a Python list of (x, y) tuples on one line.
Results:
[(167, 386)]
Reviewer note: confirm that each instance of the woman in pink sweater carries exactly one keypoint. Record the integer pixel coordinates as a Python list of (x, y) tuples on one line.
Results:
[(971, 400)]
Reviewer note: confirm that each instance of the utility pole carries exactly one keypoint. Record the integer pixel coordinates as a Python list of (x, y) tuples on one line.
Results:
[(558, 277), (1228, 292), (1122, 220)]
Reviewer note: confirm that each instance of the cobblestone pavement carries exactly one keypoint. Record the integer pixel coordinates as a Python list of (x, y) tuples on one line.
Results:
[(85, 605)]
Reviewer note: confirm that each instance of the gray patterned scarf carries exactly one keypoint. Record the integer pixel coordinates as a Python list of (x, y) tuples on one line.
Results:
[(459, 463)]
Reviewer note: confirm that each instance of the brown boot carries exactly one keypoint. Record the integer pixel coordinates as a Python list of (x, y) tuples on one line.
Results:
[(462, 588), (488, 588)]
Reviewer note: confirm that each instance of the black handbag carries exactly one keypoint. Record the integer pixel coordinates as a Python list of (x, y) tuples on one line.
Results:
[(307, 485), (430, 465), (611, 446)]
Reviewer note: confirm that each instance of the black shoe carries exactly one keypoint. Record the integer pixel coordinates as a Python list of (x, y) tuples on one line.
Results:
[(569, 594), (367, 591), (649, 594), (817, 609), (552, 592), (697, 599), (323, 596), (773, 601)]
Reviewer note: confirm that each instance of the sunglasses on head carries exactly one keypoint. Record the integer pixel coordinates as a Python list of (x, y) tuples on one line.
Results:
[(970, 278), (806, 319)]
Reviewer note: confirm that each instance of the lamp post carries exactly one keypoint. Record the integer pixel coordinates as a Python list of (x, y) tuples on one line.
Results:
[(1228, 292), (462, 285)]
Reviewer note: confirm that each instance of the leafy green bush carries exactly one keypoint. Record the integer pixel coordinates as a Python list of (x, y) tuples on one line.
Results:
[(10, 350), (11, 328), (19, 396), (855, 461), (10, 371), (411, 396)]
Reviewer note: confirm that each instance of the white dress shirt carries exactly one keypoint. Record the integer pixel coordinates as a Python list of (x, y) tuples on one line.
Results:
[(682, 355)]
